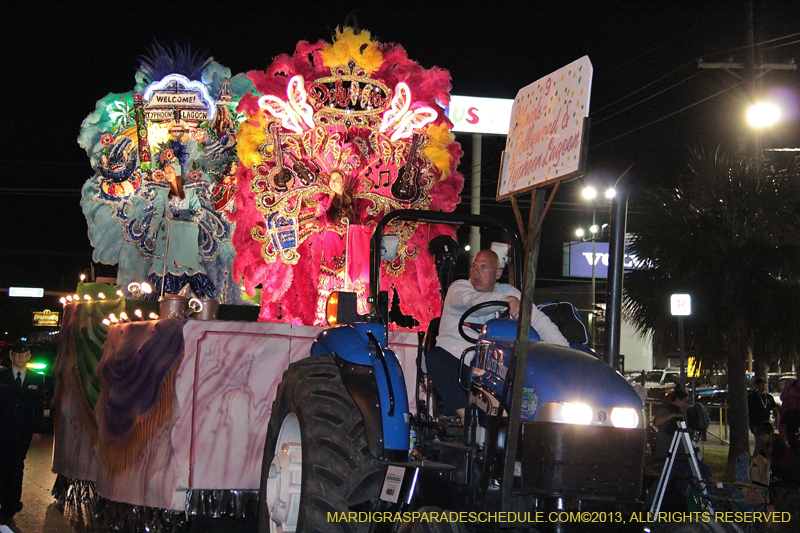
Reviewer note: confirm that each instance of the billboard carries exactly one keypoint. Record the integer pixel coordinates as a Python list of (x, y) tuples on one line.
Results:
[(471, 114), (26, 292), (546, 133), (578, 260)]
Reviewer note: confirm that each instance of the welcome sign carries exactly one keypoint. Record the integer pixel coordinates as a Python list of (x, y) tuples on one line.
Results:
[(175, 97), (546, 133)]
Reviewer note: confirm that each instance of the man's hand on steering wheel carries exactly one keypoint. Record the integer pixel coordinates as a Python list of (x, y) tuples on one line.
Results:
[(477, 327), (513, 306)]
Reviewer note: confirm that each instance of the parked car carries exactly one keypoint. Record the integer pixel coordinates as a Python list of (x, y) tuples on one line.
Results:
[(776, 382)]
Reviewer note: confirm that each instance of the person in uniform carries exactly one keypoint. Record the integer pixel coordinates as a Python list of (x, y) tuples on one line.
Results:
[(21, 410)]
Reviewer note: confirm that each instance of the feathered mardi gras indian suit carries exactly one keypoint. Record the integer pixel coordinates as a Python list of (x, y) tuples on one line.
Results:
[(363, 109), (126, 201)]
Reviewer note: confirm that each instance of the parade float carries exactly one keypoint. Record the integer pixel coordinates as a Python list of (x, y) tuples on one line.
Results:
[(264, 188)]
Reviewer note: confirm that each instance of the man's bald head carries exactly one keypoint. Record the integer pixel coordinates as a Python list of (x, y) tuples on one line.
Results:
[(485, 271)]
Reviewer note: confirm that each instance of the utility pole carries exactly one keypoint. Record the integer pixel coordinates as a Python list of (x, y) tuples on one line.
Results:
[(750, 70)]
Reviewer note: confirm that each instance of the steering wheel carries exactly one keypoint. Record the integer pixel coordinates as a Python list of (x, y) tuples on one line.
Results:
[(462, 321)]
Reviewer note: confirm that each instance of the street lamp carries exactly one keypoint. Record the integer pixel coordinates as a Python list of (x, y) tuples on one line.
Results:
[(763, 115), (760, 116), (590, 193)]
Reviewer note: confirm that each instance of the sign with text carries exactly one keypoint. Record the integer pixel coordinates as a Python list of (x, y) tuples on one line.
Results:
[(546, 133), (680, 304), (46, 318), (26, 292), (175, 97), (578, 260), (471, 114)]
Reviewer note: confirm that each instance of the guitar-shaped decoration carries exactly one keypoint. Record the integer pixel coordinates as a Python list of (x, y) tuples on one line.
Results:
[(406, 187), (306, 176), (281, 178)]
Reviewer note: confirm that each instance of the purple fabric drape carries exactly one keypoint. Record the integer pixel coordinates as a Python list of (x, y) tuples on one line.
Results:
[(136, 358)]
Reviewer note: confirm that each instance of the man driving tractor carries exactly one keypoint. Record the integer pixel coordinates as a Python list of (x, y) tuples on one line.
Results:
[(443, 361)]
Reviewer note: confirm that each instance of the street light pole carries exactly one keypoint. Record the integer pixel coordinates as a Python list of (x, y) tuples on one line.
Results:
[(592, 318), (590, 193)]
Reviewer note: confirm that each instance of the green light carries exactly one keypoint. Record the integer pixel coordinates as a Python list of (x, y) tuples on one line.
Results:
[(36, 366)]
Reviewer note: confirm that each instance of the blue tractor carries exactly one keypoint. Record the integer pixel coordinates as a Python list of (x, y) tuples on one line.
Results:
[(344, 453)]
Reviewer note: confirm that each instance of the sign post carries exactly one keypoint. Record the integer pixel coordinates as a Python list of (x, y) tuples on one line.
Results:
[(546, 144), (681, 306)]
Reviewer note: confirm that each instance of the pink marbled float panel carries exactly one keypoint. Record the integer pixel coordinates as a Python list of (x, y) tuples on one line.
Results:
[(237, 370), (214, 439), (234, 369)]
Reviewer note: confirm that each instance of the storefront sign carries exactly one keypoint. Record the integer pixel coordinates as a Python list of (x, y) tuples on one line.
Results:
[(471, 114), (579, 258), (46, 318)]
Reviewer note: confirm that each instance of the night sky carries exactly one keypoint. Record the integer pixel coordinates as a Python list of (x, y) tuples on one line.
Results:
[(650, 102)]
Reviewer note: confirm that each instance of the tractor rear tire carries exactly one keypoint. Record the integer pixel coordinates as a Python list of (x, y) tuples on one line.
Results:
[(316, 436)]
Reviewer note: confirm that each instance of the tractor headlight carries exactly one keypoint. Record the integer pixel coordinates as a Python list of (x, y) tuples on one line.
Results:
[(576, 413), (624, 417)]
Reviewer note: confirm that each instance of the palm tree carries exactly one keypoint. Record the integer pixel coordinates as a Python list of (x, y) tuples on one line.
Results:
[(728, 234)]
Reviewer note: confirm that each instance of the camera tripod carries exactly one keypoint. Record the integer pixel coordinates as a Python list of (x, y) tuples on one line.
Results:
[(680, 438)]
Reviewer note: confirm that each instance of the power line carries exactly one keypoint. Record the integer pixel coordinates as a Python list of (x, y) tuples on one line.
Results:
[(648, 98), (768, 41), (685, 80), (667, 116), (781, 45), (640, 89), (665, 43)]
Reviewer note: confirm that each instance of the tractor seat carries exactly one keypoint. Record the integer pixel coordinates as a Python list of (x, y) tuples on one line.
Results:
[(429, 342)]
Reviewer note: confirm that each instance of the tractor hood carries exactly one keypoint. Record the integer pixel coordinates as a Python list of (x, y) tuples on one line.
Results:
[(555, 375)]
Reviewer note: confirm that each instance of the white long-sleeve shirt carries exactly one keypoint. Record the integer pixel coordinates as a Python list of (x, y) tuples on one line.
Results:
[(462, 295)]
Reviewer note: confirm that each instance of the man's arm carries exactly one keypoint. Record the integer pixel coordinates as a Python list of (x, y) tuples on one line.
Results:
[(547, 331), (664, 415), (462, 296)]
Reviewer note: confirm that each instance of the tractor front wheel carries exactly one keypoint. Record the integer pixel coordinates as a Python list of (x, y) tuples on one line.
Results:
[(316, 458)]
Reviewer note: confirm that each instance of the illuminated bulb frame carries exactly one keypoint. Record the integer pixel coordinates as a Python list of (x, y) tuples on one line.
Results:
[(198, 86)]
